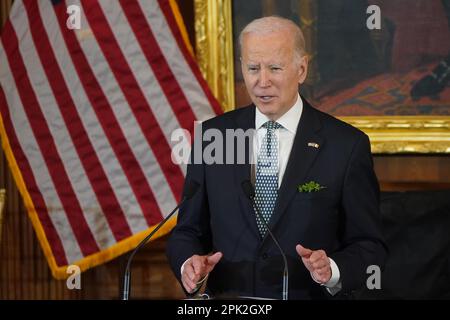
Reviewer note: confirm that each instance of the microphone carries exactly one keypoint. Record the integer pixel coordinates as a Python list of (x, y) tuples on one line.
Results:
[(250, 193), (190, 191)]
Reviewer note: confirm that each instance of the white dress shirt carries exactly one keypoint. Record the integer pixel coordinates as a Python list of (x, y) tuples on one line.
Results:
[(285, 135)]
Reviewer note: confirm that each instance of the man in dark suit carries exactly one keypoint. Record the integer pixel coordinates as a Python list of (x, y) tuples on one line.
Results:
[(314, 184)]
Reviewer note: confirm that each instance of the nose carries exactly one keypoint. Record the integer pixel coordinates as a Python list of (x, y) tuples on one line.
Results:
[(264, 79)]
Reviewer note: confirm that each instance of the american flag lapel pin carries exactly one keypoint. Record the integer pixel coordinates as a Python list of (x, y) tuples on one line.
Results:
[(313, 144)]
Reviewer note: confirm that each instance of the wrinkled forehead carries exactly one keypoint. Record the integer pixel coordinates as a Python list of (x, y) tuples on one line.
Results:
[(266, 48)]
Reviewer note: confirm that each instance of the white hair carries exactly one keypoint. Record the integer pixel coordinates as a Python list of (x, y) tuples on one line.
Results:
[(271, 24)]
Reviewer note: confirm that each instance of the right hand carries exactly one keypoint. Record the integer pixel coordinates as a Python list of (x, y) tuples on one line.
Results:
[(196, 268)]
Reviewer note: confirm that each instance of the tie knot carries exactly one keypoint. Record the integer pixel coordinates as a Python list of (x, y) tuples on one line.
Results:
[(271, 125)]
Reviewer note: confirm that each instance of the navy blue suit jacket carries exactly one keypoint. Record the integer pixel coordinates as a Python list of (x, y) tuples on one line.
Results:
[(343, 219)]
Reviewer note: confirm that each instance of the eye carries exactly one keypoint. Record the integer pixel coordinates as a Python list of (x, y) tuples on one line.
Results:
[(275, 68), (253, 68)]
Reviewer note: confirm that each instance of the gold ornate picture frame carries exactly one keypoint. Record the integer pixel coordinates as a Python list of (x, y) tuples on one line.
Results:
[(388, 134)]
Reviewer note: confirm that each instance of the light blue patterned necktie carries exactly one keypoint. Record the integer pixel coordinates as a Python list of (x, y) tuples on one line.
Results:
[(266, 185)]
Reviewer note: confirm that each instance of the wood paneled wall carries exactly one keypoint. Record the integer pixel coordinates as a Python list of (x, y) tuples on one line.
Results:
[(413, 172), (5, 6)]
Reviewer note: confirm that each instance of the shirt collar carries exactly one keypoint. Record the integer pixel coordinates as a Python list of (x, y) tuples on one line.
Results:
[(289, 120)]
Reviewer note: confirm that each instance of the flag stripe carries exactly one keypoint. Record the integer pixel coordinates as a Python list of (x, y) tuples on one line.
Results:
[(167, 11), (152, 91), (108, 121), (175, 59), (27, 174), (66, 149), (129, 86), (158, 63), (86, 153), (111, 165), (47, 145), (37, 163)]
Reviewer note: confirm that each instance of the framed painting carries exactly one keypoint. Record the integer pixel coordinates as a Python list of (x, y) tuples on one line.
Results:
[(390, 78)]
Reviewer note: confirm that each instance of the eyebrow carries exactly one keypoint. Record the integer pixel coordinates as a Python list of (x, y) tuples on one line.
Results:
[(253, 65)]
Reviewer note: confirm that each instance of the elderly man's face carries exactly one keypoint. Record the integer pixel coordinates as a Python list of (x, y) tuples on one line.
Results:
[(271, 73)]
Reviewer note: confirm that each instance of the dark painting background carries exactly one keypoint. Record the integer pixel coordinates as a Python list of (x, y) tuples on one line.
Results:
[(401, 69)]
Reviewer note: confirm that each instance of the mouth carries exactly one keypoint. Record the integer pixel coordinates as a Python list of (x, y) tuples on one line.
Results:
[(265, 98)]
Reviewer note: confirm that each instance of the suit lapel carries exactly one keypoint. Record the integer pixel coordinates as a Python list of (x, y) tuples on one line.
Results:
[(300, 160), (242, 172)]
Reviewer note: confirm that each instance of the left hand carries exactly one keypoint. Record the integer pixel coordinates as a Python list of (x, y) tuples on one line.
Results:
[(317, 262)]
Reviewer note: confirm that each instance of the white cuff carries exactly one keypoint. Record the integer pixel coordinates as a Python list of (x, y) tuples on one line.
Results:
[(335, 275), (333, 285)]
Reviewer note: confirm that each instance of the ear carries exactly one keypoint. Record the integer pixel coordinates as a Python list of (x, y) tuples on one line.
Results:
[(303, 69)]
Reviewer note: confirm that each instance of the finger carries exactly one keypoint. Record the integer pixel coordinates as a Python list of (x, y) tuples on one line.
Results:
[(325, 277), (323, 271), (214, 259), (189, 271), (303, 252), (322, 278), (317, 255), (188, 284), (199, 266), (322, 263), (187, 287)]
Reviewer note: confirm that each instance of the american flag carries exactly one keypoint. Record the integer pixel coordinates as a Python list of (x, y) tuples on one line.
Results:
[(87, 116)]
